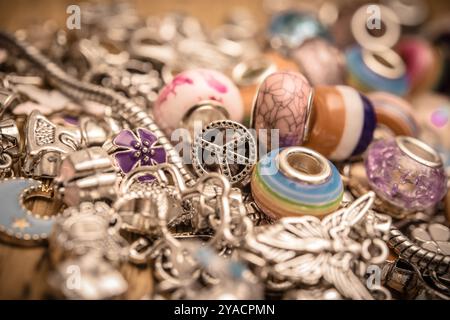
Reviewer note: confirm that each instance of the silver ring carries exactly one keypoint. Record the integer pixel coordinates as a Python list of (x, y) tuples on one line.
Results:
[(5, 161), (419, 151), (308, 116), (386, 63), (362, 34), (206, 112), (382, 247), (252, 71), (304, 164)]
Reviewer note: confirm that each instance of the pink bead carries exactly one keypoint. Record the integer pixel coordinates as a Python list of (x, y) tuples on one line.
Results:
[(189, 88), (283, 102), (422, 62)]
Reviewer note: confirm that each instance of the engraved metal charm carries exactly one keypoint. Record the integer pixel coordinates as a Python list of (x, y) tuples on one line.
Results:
[(306, 250), (45, 144), (9, 147), (10, 137), (226, 147)]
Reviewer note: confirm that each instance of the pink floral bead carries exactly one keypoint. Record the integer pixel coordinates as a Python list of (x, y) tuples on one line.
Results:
[(191, 87)]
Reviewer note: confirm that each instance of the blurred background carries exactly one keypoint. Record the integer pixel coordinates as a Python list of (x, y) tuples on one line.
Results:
[(19, 13)]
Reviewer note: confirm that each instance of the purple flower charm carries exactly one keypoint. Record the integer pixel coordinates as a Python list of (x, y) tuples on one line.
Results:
[(141, 150)]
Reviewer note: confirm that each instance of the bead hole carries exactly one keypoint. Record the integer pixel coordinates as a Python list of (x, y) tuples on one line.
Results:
[(305, 163), (419, 151), (377, 32), (254, 72), (42, 203), (383, 61)]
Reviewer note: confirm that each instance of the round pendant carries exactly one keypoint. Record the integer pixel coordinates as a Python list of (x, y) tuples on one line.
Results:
[(18, 224), (226, 147)]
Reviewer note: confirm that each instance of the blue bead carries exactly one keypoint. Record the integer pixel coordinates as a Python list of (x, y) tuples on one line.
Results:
[(371, 80), (294, 27)]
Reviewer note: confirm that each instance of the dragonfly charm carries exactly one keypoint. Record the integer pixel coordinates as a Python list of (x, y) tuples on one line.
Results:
[(309, 251)]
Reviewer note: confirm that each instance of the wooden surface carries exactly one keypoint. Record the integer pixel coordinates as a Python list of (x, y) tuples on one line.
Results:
[(23, 274)]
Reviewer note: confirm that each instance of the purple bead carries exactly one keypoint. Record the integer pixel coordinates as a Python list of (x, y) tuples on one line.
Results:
[(406, 173)]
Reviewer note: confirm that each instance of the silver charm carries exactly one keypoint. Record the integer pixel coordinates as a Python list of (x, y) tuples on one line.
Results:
[(306, 250), (216, 206), (226, 278), (226, 147), (91, 133), (9, 147), (10, 138), (144, 211), (6, 163), (409, 282), (426, 256), (87, 175), (8, 100), (434, 237), (45, 145), (43, 135), (91, 226), (46, 101), (86, 250), (88, 277), (427, 249)]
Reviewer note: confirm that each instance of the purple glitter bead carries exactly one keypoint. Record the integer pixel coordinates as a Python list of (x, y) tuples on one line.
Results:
[(400, 179)]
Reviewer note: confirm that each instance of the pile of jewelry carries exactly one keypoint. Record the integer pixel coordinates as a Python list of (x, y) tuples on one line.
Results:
[(303, 160)]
